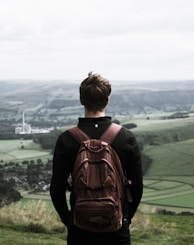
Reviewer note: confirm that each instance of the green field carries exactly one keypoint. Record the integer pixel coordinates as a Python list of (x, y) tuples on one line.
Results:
[(20, 150), (169, 181)]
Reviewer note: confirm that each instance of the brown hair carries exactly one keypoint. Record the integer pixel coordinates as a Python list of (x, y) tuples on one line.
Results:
[(94, 92)]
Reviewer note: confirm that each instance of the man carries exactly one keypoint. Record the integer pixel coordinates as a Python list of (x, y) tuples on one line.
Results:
[(94, 96)]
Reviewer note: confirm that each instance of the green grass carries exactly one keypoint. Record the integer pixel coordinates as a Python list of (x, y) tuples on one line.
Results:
[(12, 150), (20, 224), (165, 131), (10, 236), (160, 125), (145, 229), (163, 230), (171, 159), (185, 200), (32, 212), (169, 182), (9, 145), (169, 195)]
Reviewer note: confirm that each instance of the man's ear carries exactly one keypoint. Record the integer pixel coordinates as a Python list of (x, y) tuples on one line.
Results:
[(81, 100), (107, 100)]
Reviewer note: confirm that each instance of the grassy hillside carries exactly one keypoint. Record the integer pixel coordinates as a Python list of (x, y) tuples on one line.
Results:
[(169, 182), (152, 230), (171, 159), (164, 131), (20, 224)]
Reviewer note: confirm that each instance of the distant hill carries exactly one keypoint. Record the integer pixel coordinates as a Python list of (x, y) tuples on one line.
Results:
[(56, 101), (153, 97)]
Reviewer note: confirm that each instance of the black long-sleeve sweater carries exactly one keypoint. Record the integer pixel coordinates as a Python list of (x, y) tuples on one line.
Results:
[(65, 152)]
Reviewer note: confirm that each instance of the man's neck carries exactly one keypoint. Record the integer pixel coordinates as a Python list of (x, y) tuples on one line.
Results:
[(94, 115)]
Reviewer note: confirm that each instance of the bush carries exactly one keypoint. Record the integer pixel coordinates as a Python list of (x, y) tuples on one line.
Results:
[(8, 194), (130, 125)]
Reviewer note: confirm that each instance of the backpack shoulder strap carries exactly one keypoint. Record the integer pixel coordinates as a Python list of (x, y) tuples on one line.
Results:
[(108, 136), (111, 132), (78, 134)]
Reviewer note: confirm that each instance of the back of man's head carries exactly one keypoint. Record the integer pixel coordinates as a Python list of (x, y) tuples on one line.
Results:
[(94, 92)]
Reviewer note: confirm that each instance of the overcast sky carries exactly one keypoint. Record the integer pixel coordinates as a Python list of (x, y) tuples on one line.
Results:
[(120, 39)]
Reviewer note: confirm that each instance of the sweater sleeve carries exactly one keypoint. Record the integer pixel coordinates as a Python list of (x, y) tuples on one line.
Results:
[(128, 150), (62, 163)]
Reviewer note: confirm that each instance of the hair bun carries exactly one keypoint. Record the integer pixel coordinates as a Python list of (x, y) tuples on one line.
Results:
[(90, 73)]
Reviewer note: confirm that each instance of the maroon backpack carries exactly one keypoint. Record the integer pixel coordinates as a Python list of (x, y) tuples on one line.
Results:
[(98, 182)]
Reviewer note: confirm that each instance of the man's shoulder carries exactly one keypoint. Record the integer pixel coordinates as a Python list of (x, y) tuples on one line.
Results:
[(126, 133), (66, 138), (124, 139)]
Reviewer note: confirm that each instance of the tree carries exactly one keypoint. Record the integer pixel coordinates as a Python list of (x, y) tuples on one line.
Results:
[(7, 193), (47, 141)]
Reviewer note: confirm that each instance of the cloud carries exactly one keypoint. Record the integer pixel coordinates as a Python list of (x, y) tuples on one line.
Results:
[(124, 39)]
